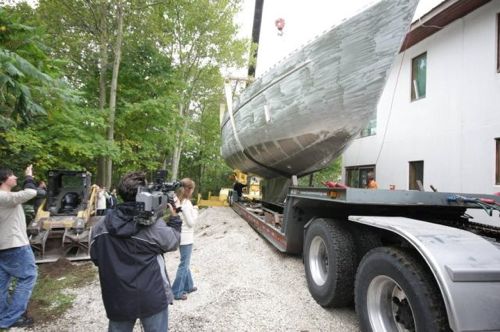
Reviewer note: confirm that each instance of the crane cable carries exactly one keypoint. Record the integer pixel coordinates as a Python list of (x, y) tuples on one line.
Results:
[(392, 100)]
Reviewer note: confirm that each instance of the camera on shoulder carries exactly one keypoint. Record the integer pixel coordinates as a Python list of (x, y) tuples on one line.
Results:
[(151, 200)]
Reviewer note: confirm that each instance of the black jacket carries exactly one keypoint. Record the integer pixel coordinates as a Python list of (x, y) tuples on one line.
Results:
[(132, 270), (238, 187)]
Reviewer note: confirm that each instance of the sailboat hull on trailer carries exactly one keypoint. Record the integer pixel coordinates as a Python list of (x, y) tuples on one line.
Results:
[(302, 113)]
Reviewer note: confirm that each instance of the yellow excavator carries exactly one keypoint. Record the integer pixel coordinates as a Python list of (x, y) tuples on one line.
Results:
[(252, 183), (252, 191), (62, 223)]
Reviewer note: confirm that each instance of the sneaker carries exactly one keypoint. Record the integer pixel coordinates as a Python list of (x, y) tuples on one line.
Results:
[(194, 289), (24, 321)]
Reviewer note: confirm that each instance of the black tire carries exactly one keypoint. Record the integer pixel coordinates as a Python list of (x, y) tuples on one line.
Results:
[(365, 239), (329, 259), (394, 290)]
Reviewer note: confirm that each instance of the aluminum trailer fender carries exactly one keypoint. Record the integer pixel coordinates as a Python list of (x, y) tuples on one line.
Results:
[(465, 266)]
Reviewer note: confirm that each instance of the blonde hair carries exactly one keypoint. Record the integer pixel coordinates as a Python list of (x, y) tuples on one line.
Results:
[(182, 193)]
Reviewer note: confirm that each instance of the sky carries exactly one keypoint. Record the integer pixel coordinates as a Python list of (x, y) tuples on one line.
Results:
[(303, 21)]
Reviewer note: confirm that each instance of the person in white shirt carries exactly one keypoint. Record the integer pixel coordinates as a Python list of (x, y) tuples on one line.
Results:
[(102, 196), (183, 283), (16, 257)]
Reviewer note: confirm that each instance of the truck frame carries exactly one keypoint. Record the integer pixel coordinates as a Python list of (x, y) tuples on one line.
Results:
[(409, 260)]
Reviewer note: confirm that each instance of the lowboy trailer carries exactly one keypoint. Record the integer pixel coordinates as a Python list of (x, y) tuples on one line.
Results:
[(409, 260)]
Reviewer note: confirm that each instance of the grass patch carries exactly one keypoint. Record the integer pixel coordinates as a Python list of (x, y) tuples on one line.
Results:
[(50, 298)]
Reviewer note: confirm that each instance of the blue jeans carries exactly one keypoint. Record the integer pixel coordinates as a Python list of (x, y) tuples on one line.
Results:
[(155, 323), (16, 263), (183, 282)]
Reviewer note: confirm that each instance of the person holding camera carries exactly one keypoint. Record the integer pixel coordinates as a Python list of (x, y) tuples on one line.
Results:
[(16, 257), (183, 283), (128, 251)]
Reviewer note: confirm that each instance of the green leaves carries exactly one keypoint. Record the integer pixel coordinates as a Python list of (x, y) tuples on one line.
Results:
[(64, 139), (145, 133), (53, 79), (28, 77)]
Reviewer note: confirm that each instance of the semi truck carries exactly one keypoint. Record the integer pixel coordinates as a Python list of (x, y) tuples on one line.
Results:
[(408, 260)]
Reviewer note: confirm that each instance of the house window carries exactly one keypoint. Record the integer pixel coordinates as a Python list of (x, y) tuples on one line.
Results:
[(498, 43), (418, 77), (416, 175), (497, 173), (370, 130), (357, 177)]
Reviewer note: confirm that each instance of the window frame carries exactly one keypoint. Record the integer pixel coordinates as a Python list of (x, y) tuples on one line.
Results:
[(498, 42), (370, 129), (413, 93), (412, 174), (497, 162), (362, 176)]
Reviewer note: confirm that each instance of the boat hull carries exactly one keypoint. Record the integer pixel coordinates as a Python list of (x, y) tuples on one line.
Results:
[(302, 113)]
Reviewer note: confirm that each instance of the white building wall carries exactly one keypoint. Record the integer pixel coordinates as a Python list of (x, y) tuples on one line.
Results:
[(452, 129)]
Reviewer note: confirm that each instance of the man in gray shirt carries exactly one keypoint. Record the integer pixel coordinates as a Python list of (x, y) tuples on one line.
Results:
[(16, 257)]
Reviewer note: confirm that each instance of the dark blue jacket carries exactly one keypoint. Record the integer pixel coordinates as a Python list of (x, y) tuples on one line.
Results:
[(132, 270)]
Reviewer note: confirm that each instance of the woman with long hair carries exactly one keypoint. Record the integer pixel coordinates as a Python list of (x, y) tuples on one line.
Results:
[(183, 283)]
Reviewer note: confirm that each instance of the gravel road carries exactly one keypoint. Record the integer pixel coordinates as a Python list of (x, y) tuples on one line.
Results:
[(244, 284)]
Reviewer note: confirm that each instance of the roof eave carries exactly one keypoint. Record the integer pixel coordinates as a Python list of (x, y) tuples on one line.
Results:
[(439, 17)]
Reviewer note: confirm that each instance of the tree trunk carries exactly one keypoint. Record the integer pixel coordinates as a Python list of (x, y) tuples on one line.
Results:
[(114, 86), (176, 158), (103, 62)]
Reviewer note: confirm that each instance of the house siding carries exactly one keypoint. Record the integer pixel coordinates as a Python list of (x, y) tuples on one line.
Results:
[(452, 129)]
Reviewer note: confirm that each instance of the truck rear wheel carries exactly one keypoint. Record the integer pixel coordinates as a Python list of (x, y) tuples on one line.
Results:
[(395, 292), (329, 259)]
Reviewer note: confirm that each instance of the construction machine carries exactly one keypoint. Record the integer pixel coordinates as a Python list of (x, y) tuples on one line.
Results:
[(252, 186), (62, 223)]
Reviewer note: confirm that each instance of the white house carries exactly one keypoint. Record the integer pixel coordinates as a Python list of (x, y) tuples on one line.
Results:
[(438, 119)]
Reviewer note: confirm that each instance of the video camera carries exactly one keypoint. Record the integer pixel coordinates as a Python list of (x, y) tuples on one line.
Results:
[(153, 199)]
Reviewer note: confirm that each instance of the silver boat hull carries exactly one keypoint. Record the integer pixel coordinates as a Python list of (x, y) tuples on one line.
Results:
[(302, 113)]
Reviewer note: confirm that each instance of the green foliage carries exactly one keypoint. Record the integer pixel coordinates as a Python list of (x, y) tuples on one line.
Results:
[(147, 118), (201, 157), (25, 72), (144, 121), (173, 55), (330, 173), (201, 42), (145, 134), (62, 140), (72, 29), (145, 74)]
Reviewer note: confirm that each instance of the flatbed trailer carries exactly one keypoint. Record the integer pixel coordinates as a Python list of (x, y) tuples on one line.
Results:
[(409, 260)]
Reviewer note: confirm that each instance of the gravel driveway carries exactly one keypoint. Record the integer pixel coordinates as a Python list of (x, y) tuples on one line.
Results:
[(244, 284)]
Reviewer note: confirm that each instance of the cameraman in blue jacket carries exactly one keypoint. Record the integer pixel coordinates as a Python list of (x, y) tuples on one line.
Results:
[(129, 256)]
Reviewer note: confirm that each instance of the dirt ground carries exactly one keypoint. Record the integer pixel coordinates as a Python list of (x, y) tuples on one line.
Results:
[(244, 284), (48, 300)]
